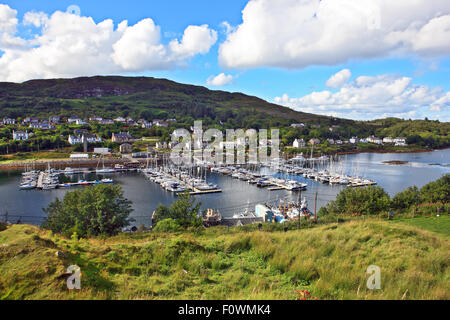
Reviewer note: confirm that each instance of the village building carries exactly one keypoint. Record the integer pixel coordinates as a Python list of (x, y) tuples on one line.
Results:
[(79, 156), (103, 151), (125, 148), (314, 141), (54, 119), (20, 135), (299, 143), (122, 137), (79, 139), (353, 140), (400, 142), (9, 121), (373, 139), (298, 125), (72, 119), (120, 119), (146, 125)]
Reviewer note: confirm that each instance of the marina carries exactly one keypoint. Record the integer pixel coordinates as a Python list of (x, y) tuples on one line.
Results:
[(22, 199)]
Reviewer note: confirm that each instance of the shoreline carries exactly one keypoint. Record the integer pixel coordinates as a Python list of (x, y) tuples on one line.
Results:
[(43, 163), (40, 164)]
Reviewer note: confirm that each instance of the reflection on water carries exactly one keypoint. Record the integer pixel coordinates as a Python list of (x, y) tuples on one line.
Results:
[(237, 195)]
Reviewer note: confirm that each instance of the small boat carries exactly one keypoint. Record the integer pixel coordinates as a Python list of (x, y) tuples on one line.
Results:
[(27, 186), (107, 181), (83, 182), (69, 171)]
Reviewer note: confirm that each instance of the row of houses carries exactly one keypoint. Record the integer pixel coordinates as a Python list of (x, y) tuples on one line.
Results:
[(51, 121), (301, 143)]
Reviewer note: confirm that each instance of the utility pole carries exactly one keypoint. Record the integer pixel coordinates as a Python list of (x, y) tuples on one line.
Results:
[(315, 208)]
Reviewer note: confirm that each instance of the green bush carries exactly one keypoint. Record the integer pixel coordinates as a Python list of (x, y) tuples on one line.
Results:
[(93, 211), (365, 201), (185, 211), (406, 199), (167, 225), (2, 226), (437, 191)]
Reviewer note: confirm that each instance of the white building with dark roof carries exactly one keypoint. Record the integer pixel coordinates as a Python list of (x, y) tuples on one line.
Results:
[(21, 135)]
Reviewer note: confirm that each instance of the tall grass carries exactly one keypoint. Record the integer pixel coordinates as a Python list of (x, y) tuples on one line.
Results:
[(330, 261)]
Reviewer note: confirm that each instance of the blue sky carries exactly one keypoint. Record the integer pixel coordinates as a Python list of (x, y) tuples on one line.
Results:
[(275, 55)]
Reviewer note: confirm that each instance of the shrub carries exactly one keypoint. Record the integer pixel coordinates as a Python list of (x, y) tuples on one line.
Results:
[(406, 199), (168, 225), (436, 191), (184, 211), (366, 201), (93, 211)]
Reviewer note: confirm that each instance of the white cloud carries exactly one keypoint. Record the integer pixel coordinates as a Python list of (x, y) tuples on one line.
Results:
[(228, 28), (299, 33), (69, 45), (196, 39), (339, 79), (8, 19), (373, 97), (220, 80)]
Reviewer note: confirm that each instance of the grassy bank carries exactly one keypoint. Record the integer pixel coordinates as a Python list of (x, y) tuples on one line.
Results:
[(439, 225), (32, 156), (329, 260)]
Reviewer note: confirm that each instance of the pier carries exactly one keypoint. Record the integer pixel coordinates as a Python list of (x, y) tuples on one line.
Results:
[(194, 191)]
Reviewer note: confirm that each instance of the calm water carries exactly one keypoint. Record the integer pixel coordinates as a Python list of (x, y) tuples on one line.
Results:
[(237, 195)]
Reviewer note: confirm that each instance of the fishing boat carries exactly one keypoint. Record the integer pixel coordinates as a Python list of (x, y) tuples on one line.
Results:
[(104, 169)]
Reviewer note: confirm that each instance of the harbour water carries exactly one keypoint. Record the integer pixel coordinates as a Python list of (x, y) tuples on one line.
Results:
[(236, 195)]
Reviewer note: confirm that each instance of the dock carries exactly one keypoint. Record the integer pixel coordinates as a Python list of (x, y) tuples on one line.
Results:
[(194, 191)]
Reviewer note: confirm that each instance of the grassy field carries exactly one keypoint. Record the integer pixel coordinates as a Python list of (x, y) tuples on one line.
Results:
[(436, 224), (330, 261), (32, 156)]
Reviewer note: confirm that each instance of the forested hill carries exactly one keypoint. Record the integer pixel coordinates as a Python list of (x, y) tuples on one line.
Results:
[(133, 96)]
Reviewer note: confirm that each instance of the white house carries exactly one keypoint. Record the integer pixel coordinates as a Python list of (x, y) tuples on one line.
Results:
[(354, 140), (120, 119), (375, 140), (400, 142), (388, 140), (20, 135), (299, 143), (9, 121), (297, 125), (73, 119), (80, 122), (79, 156), (102, 151), (79, 139)]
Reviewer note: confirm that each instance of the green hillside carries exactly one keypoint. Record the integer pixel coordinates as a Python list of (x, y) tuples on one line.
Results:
[(132, 96), (149, 98), (329, 261)]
